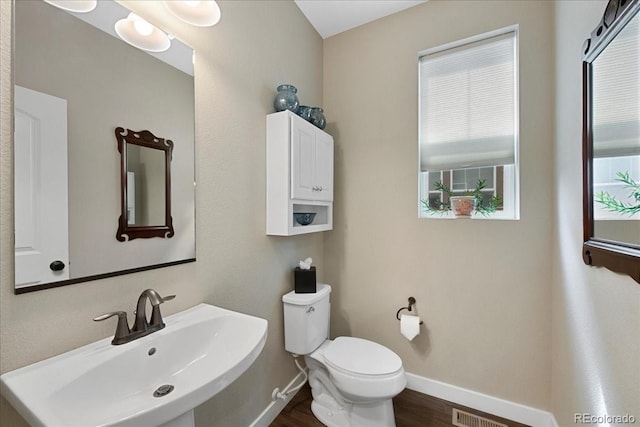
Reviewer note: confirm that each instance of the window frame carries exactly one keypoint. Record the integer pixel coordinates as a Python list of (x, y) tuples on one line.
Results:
[(511, 173)]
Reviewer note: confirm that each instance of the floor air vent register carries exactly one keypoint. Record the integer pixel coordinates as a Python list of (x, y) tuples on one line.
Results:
[(465, 419)]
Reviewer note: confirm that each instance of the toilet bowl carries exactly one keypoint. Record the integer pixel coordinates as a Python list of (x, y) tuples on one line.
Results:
[(352, 379)]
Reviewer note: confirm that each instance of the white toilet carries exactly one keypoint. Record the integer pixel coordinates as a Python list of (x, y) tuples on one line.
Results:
[(352, 380)]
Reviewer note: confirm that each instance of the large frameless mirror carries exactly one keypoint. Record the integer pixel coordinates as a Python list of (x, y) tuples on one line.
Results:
[(76, 82), (612, 141)]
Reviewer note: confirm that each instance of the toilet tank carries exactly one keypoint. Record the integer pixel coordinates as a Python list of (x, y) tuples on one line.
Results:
[(306, 320)]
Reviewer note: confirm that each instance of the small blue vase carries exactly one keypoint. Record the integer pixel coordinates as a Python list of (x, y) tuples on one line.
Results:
[(305, 112), (286, 98), (317, 117)]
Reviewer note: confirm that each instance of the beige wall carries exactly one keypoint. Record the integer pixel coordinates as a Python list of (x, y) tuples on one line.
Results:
[(240, 61), (596, 313), (482, 287)]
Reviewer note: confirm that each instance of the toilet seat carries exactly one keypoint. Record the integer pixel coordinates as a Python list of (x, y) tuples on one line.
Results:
[(364, 370), (362, 357)]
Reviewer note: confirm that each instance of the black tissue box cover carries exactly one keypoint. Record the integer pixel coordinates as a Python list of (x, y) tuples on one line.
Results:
[(305, 281)]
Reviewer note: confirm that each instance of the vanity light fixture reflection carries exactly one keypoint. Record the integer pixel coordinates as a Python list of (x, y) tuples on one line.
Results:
[(79, 6), (141, 34), (201, 13)]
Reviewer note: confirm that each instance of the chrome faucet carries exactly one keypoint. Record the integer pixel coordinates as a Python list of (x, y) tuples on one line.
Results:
[(141, 326)]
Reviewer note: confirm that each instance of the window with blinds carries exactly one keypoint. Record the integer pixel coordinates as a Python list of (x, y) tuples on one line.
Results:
[(468, 122)]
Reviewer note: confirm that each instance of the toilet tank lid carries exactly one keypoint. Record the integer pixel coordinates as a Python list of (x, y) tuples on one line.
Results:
[(322, 290)]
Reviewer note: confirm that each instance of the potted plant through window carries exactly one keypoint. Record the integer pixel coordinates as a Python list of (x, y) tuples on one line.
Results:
[(465, 205), (614, 205)]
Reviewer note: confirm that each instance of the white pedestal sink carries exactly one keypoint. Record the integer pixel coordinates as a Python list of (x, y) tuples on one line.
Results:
[(200, 352)]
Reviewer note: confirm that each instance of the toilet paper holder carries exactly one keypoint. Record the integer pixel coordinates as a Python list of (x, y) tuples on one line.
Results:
[(412, 301)]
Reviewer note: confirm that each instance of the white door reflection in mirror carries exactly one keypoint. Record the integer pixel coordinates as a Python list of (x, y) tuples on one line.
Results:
[(131, 198), (41, 209)]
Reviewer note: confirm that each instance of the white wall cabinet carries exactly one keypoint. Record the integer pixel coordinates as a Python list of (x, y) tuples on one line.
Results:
[(311, 162), (299, 175)]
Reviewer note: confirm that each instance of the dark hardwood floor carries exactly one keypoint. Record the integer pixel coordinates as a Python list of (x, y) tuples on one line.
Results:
[(412, 409)]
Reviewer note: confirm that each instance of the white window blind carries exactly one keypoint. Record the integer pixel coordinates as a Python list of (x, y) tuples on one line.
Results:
[(468, 105), (616, 95)]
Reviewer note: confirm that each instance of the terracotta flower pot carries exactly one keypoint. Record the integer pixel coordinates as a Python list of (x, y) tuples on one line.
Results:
[(463, 206)]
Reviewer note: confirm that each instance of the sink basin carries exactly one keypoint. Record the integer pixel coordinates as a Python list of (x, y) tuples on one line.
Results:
[(200, 352)]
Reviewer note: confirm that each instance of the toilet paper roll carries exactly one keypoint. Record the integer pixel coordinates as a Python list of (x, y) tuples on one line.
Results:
[(409, 326)]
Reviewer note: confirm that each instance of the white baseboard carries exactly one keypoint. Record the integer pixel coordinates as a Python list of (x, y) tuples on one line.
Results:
[(274, 408), (481, 402), (472, 399)]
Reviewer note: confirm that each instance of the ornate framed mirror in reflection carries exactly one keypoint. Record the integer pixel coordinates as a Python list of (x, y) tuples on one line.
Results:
[(75, 82), (145, 195), (611, 141)]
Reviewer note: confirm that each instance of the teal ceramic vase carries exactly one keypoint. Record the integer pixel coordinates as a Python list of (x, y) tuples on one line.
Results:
[(286, 98)]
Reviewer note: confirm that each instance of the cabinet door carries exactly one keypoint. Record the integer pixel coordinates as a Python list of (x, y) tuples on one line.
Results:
[(324, 166), (303, 154)]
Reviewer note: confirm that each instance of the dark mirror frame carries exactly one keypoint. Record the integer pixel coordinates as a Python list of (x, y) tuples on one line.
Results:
[(143, 138), (620, 257)]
